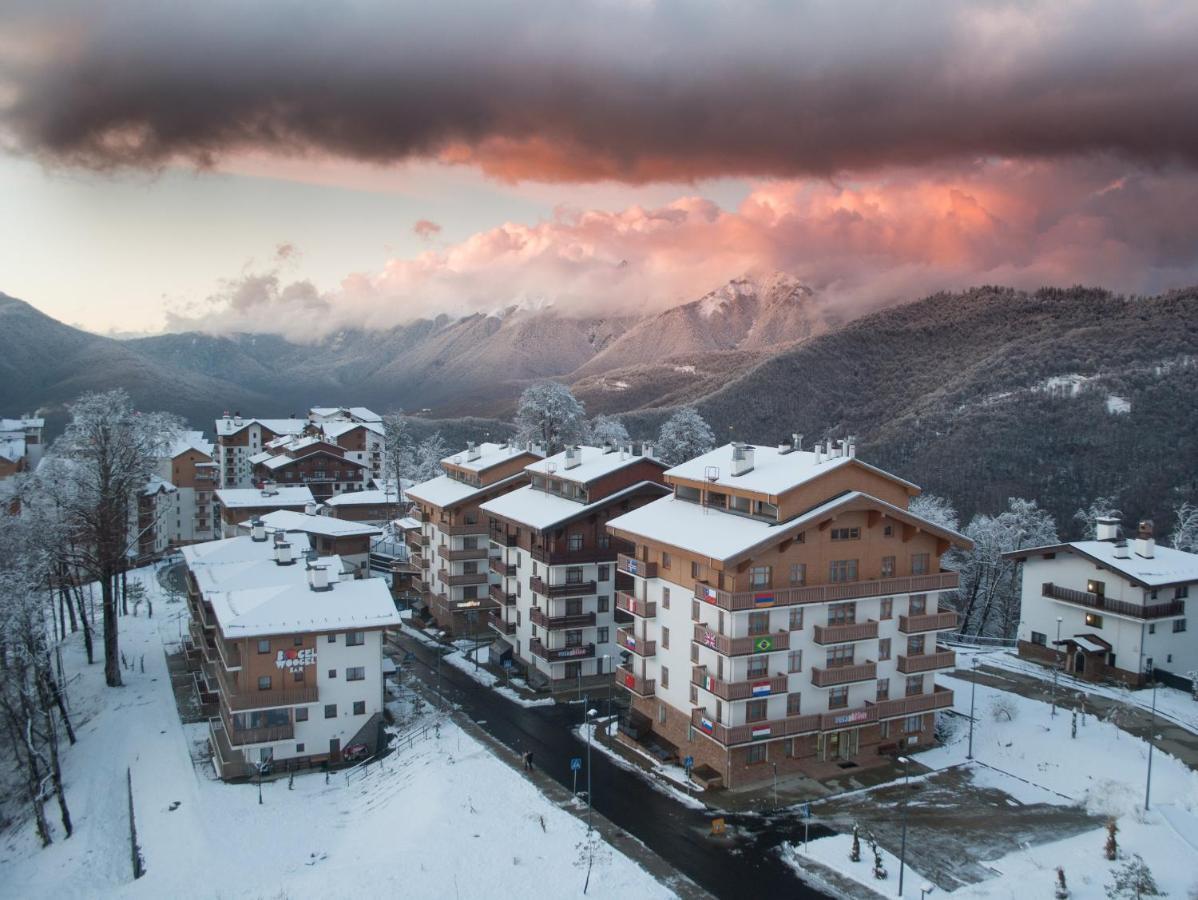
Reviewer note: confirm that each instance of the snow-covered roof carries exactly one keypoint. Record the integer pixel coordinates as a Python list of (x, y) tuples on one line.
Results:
[(227, 425), (337, 428), (190, 440), (539, 509), (594, 463), (22, 423), (262, 457), (726, 536), (155, 484), (242, 498), (1088, 642), (1165, 566), (326, 526), (259, 573), (407, 523), (237, 550), (360, 413), (773, 473), (360, 498), (444, 491), (489, 455), (292, 608), (12, 447)]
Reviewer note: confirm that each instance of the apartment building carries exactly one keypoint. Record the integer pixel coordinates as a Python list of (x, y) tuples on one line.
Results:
[(21, 444), (1109, 609), (238, 439), (452, 547), (373, 506), (154, 516), (190, 465), (555, 562), (328, 536), (783, 609), (311, 460), (286, 656), (237, 505), (356, 429)]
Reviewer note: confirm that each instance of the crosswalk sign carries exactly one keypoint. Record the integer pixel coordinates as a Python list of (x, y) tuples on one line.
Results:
[(575, 763)]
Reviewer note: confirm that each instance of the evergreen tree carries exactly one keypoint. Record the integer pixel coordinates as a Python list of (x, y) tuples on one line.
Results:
[(608, 429), (552, 416), (1132, 880), (684, 436)]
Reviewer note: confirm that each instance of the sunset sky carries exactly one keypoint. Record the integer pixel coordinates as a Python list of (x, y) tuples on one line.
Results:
[(296, 167)]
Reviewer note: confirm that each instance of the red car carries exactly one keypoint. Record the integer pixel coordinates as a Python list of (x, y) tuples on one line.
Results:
[(355, 752)]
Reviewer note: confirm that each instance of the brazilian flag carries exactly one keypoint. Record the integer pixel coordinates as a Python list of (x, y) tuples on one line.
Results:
[(763, 644)]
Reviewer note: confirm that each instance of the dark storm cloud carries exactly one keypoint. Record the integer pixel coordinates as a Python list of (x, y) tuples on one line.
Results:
[(633, 91)]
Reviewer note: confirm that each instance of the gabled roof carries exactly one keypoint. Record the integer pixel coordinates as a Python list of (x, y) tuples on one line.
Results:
[(361, 498), (337, 428), (190, 440), (444, 491), (594, 463), (157, 485), (1165, 567), (237, 550), (296, 608), (227, 426), (282, 461), (489, 455), (253, 498), (360, 413), (22, 423), (325, 526), (538, 509)]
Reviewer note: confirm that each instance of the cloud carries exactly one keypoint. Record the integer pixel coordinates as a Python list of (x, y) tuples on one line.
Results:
[(861, 244), (672, 90), (425, 228)]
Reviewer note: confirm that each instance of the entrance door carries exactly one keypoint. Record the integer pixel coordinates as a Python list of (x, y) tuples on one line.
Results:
[(1079, 662), (335, 749)]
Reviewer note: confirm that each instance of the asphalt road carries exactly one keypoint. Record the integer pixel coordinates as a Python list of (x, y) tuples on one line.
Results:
[(745, 862)]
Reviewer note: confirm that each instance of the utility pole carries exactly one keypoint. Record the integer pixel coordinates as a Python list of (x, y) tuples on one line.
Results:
[(1056, 668), (973, 687), (903, 845), (1151, 735), (775, 765), (591, 716)]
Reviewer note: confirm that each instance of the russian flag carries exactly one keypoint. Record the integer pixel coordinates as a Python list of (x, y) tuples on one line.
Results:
[(760, 732), (760, 689)]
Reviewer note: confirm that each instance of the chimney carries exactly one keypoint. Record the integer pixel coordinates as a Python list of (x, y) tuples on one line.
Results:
[(1121, 551), (1107, 528), (786, 445), (237, 418), (1145, 545), (472, 451), (310, 508), (310, 557), (742, 459), (819, 452), (283, 554), (796, 440), (318, 578), (573, 457), (852, 448), (258, 531), (608, 447), (649, 451)]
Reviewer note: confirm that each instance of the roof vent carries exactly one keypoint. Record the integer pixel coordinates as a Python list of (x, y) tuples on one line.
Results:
[(573, 457), (258, 531), (1145, 544), (818, 450), (742, 459), (310, 557), (310, 508), (650, 452), (1121, 550), (472, 451), (318, 578), (852, 445), (1106, 528), (608, 447), (790, 444), (283, 554)]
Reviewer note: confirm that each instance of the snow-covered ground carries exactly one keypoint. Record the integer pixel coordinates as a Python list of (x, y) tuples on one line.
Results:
[(666, 778), (443, 817)]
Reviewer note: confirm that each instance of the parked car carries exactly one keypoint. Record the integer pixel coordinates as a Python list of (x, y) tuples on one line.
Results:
[(355, 752)]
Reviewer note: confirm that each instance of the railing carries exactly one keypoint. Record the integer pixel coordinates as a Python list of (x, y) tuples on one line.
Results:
[(866, 671), (553, 557), (742, 646), (499, 567), (572, 589), (927, 662), (730, 735), (415, 539), (824, 593), (463, 528), (239, 700), (496, 622), (631, 605), (230, 763), (503, 539), (230, 654), (445, 552), (464, 578), (844, 634), (561, 654), (937, 621), (239, 737), (940, 698), (1117, 607), (640, 646), (556, 623), (762, 686), (631, 566), (642, 687), (500, 596)]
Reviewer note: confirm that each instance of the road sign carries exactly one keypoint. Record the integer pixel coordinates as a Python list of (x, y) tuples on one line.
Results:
[(575, 763), (689, 763), (806, 810), (717, 827), (507, 664)]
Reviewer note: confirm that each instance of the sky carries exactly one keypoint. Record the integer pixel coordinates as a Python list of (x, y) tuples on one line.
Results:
[(298, 167)]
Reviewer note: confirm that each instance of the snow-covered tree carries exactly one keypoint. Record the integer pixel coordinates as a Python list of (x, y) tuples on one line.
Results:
[(608, 429), (1132, 880), (552, 416), (938, 510), (684, 436), (423, 461), (1061, 891), (103, 458), (1185, 528), (1085, 520)]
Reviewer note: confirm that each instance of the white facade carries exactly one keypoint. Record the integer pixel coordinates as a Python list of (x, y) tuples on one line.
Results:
[(234, 458)]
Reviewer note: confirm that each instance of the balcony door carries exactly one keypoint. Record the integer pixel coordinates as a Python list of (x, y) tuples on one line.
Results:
[(839, 745)]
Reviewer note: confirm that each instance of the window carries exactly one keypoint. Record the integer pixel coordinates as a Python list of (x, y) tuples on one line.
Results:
[(297, 642), (913, 724), (605, 573), (839, 656), (301, 714), (884, 730), (793, 704), (1180, 593), (694, 652), (574, 606), (887, 608), (756, 710), (297, 675), (1040, 639), (838, 698), (665, 598), (263, 646), (884, 649), (759, 577), (846, 534), (842, 614), (915, 645), (796, 618), (919, 564), (914, 685), (888, 531), (359, 707), (788, 748), (842, 570), (1152, 628), (603, 637), (661, 714), (355, 673), (665, 638), (574, 543), (757, 753), (574, 638), (758, 666), (665, 677), (694, 695), (332, 638), (759, 623), (330, 711), (794, 661), (918, 605), (299, 748), (665, 560), (574, 575), (888, 569), (604, 603), (883, 689), (798, 573), (264, 682), (355, 638), (1179, 625), (1093, 620)]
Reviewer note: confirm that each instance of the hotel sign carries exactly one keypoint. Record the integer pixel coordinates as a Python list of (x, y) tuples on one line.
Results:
[(860, 715), (294, 658)]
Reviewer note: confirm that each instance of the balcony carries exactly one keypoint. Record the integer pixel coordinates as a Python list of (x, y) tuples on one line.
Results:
[(837, 675), (504, 570), (940, 698), (753, 688), (631, 605), (937, 621), (1114, 607), (551, 556), (636, 567), (561, 654), (240, 700), (467, 604), (638, 645), (845, 634), (642, 687), (239, 737), (927, 662), (230, 654), (825, 593), (500, 596), (742, 646), (503, 539), (731, 735), (459, 528), (496, 622), (465, 553), (229, 763), (574, 589), (537, 616), (417, 540), (464, 578)]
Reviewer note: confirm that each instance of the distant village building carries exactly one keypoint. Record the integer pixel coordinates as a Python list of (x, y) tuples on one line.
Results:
[(21, 444), (452, 548), (155, 514), (238, 505), (554, 603), (190, 466), (1110, 608), (238, 439), (373, 506), (783, 609)]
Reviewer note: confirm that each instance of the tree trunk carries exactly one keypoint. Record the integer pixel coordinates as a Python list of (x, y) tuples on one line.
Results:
[(33, 778), (88, 643), (112, 653), (65, 595), (56, 696), (55, 769), (124, 593)]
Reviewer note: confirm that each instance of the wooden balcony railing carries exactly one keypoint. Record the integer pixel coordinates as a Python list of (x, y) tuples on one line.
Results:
[(504, 570), (500, 596), (465, 553), (837, 675), (537, 616), (731, 735), (940, 698), (631, 566), (927, 662), (824, 593), (417, 540), (573, 589), (240, 700), (937, 621), (239, 737), (629, 641), (750, 689), (631, 605), (1115, 607), (555, 556), (464, 578), (503, 539), (229, 763), (742, 646), (642, 687), (561, 654), (844, 634), (458, 528), (496, 622)]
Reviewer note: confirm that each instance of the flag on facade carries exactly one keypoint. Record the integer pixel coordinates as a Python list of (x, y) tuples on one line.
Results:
[(706, 724), (763, 645), (710, 594), (762, 731), (760, 689), (763, 599)]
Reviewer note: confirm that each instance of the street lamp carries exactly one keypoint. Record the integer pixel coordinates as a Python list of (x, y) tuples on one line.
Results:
[(1151, 734), (903, 845), (775, 765), (590, 716), (973, 687), (926, 889), (610, 681), (1056, 668)]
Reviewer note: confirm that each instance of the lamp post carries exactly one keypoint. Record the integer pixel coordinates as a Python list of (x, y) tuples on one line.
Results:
[(973, 686), (1151, 734), (610, 681), (926, 889), (1056, 668), (775, 765), (591, 716), (903, 844)]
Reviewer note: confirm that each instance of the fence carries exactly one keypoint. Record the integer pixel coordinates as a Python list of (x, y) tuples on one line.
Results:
[(978, 640), (139, 868)]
